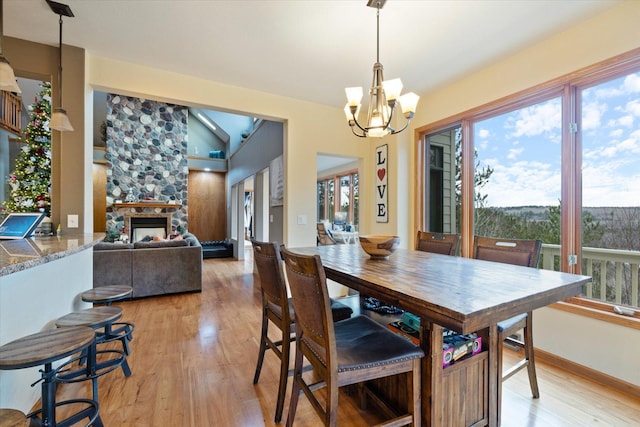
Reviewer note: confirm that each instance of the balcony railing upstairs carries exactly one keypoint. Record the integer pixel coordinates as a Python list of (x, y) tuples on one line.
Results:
[(614, 273), (10, 112)]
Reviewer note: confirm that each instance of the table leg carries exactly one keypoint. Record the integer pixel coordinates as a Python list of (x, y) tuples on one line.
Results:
[(494, 376)]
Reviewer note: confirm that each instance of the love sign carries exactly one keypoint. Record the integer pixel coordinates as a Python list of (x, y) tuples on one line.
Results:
[(381, 184)]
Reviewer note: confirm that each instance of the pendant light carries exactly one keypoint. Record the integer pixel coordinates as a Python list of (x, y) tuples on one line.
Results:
[(59, 119), (384, 97), (7, 77)]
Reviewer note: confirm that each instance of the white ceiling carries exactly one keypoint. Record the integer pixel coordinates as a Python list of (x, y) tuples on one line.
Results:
[(303, 49)]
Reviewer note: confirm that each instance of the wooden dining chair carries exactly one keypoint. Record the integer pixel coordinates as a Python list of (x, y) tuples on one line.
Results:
[(518, 252), (439, 243), (277, 309), (324, 238), (349, 352)]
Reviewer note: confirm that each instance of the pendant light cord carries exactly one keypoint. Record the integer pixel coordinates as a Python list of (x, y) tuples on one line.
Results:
[(60, 65), (1, 24)]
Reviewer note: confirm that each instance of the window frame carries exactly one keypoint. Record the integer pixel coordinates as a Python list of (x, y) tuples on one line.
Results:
[(568, 88)]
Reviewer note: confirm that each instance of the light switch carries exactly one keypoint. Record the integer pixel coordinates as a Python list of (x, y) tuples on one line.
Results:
[(72, 221), (302, 220)]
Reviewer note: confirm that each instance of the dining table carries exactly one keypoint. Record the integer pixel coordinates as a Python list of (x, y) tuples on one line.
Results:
[(451, 293)]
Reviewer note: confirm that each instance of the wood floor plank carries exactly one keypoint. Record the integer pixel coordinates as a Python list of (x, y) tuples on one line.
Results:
[(193, 359)]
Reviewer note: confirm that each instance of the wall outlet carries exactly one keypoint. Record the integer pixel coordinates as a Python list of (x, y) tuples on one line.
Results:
[(573, 259), (302, 220), (72, 221)]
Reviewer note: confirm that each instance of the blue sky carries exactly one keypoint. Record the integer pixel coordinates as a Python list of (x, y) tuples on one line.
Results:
[(523, 148)]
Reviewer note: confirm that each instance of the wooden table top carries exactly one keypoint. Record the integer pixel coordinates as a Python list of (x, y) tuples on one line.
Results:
[(104, 294), (462, 294), (13, 418), (95, 317), (45, 347)]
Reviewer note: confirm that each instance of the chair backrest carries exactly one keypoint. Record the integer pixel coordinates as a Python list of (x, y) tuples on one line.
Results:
[(508, 251), (323, 236), (439, 243), (314, 324), (272, 282)]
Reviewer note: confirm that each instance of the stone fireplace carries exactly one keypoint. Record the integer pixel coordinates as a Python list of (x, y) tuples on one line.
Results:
[(146, 152)]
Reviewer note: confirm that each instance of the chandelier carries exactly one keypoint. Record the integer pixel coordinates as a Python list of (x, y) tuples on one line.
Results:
[(384, 97)]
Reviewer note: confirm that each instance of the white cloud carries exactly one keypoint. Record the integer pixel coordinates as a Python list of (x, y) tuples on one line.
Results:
[(514, 152), (483, 133), (633, 107), (523, 183), (537, 119), (592, 114), (631, 83)]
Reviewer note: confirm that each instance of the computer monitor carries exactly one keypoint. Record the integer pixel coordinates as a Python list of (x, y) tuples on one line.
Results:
[(20, 225)]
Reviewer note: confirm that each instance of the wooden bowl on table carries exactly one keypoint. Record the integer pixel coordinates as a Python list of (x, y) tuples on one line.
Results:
[(379, 245)]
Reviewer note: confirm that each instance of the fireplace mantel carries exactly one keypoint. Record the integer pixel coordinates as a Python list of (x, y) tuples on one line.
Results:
[(150, 205)]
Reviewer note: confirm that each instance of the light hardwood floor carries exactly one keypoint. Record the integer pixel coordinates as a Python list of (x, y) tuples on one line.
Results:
[(193, 359)]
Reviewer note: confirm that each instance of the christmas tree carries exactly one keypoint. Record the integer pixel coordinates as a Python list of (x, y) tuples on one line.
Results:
[(31, 181)]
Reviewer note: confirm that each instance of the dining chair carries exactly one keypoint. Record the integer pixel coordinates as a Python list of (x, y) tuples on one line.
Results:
[(349, 352), (277, 309), (324, 238), (439, 243), (518, 252)]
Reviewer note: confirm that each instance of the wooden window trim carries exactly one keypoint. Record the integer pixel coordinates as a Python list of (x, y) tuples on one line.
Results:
[(597, 310)]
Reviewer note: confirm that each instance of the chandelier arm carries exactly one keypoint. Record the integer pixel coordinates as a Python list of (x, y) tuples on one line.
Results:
[(393, 132), (353, 130), (363, 129)]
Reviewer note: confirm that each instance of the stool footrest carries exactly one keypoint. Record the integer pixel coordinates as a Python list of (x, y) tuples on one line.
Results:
[(91, 412), (65, 375), (119, 331)]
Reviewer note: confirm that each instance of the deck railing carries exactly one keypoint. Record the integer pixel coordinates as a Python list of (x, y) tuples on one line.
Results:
[(614, 273), (10, 112)]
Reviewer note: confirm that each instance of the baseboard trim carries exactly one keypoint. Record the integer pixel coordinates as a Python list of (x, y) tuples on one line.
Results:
[(586, 372)]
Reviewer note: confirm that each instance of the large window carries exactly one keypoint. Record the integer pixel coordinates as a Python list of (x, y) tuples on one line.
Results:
[(559, 163), (340, 206), (517, 173), (610, 136)]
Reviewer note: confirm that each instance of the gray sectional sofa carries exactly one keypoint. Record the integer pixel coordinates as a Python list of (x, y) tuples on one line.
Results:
[(151, 268)]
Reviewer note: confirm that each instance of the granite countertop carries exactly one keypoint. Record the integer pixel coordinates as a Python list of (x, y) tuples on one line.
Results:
[(22, 254)]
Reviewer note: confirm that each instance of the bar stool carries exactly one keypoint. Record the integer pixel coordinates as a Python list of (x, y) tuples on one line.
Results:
[(106, 295), (96, 318), (44, 348), (13, 418)]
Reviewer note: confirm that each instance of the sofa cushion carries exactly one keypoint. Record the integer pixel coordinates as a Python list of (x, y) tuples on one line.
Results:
[(108, 246), (160, 244)]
